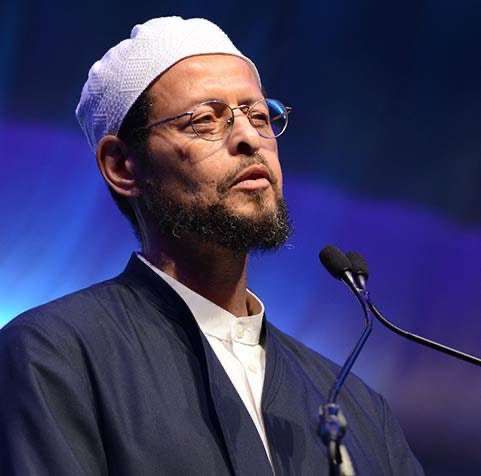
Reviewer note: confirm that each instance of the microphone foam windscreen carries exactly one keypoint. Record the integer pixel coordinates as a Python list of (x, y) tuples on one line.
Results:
[(358, 263), (335, 261)]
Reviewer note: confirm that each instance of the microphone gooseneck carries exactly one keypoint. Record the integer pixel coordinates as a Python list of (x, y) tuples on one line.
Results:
[(360, 273)]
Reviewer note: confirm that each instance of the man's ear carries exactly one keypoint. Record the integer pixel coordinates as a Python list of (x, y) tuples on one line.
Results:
[(117, 166)]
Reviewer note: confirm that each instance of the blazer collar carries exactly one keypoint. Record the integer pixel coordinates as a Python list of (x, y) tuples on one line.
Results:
[(140, 278)]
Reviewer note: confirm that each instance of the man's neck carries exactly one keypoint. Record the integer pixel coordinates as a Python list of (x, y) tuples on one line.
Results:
[(215, 273)]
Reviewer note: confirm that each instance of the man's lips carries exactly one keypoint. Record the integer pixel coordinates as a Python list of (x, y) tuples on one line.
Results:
[(254, 177)]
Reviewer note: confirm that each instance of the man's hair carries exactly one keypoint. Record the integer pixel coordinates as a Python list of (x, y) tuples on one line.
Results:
[(133, 133)]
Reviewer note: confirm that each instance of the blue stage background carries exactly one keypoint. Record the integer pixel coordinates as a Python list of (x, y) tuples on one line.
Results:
[(382, 156)]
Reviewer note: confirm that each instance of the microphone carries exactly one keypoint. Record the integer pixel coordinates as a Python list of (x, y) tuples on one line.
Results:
[(340, 267), (332, 423), (359, 268), (360, 274), (335, 261)]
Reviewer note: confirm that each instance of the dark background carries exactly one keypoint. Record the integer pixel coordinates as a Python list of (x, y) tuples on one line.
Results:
[(382, 155)]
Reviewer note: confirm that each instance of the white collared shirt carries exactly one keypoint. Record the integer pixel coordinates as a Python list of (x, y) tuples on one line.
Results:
[(235, 341)]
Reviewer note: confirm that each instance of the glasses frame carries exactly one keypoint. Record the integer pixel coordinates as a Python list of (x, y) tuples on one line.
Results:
[(245, 108)]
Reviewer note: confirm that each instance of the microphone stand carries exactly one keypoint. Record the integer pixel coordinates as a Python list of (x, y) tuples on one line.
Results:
[(353, 272), (332, 423)]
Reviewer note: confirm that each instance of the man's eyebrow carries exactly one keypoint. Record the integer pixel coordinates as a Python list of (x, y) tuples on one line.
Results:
[(245, 100), (195, 102), (250, 100)]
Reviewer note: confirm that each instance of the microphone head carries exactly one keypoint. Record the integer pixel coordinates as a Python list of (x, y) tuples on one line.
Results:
[(335, 261), (358, 264)]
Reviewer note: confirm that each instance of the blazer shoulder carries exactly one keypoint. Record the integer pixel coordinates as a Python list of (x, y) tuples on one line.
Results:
[(74, 310)]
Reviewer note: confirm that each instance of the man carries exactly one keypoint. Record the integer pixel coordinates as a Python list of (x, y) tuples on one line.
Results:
[(172, 367)]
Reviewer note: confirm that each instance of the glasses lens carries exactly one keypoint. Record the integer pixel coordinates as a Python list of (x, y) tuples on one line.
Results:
[(210, 120), (269, 116)]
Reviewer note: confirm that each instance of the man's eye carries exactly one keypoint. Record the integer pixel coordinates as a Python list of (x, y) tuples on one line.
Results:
[(204, 119), (259, 118)]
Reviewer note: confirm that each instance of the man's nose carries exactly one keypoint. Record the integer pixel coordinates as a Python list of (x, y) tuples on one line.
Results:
[(244, 138)]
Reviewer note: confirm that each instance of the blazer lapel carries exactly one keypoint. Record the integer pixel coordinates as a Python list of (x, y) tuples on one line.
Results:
[(245, 447)]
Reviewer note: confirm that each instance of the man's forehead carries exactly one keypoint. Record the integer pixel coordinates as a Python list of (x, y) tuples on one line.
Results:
[(203, 77)]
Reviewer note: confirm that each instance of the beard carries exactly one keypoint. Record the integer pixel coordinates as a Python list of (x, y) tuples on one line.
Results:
[(215, 224)]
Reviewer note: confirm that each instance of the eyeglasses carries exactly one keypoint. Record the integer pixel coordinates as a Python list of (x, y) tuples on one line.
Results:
[(213, 120)]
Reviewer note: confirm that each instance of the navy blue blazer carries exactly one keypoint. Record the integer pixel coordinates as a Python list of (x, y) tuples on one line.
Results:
[(118, 379)]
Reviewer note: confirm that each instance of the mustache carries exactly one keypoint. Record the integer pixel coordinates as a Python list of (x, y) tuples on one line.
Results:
[(247, 161)]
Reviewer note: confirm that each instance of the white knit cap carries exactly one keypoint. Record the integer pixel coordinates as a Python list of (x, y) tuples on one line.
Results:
[(127, 69)]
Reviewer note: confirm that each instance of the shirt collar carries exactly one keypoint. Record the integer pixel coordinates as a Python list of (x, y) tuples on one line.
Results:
[(212, 319)]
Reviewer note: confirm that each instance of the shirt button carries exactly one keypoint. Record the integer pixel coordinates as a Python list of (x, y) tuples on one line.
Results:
[(239, 332)]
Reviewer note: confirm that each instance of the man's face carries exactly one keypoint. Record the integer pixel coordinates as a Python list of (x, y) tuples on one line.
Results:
[(191, 185)]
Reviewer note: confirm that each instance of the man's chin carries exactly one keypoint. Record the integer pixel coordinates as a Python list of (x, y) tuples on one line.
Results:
[(261, 223), (258, 225)]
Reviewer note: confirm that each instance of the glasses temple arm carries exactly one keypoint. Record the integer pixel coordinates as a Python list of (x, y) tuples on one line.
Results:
[(288, 110)]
